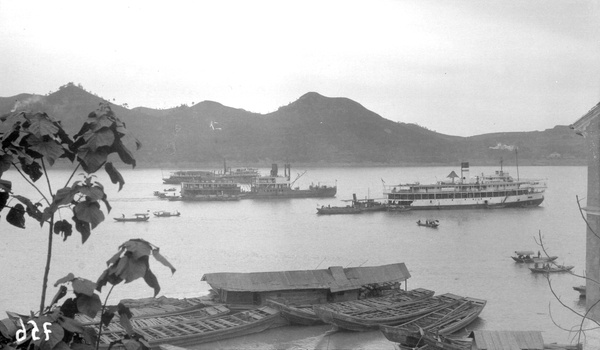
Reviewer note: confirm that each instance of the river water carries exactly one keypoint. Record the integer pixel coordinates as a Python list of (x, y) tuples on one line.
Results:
[(469, 254)]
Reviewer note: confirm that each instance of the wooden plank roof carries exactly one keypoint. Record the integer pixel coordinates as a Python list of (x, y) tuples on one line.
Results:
[(335, 278), (508, 340)]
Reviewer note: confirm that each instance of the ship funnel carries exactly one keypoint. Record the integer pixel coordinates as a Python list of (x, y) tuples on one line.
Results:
[(464, 172), (274, 170)]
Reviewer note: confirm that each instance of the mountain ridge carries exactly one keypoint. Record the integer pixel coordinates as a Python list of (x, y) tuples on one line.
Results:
[(314, 129)]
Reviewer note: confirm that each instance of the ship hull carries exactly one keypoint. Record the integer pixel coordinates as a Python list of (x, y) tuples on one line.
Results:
[(478, 203), (290, 193)]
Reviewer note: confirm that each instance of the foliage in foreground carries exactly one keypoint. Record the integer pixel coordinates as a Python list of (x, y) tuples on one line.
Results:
[(29, 142)]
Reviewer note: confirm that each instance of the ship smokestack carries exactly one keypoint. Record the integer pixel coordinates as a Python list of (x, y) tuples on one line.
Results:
[(287, 170), (464, 172), (274, 170)]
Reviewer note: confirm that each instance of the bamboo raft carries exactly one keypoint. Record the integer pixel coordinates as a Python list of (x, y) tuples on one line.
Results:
[(193, 332), (458, 313), (370, 318), (306, 316)]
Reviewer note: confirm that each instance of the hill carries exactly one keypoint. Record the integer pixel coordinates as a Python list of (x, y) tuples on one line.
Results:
[(312, 129)]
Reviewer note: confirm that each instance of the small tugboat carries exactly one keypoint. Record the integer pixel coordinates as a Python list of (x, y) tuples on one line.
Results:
[(164, 213), (140, 217), (275, 186), (329, 210), (429, 223)]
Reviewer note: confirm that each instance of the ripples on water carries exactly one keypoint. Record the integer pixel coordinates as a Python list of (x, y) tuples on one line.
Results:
[(469, 254)]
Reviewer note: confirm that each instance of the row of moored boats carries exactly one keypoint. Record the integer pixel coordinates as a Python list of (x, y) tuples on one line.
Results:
[(357, 299)]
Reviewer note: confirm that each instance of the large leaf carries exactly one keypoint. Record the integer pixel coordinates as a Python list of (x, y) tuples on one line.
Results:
[(162, 260), (16, 216), (3, 199), (108, 276), (49, 149), (33, 169), (93, 192), (83, 286), (70, 324), (89, 212), (130, 269), (69, 308), (5, 185), (56, 335), (62, 291), (63, 196), (42, 125), (152, 281), (115, 258), (64, 228), (138, 247), (114, 174), (32, 208), (89, 335), (101, 138), (92, 160), (6, 161), (82, 227), (124, 153), (124, 320), (106, 317), (68, 278), (88, 305)]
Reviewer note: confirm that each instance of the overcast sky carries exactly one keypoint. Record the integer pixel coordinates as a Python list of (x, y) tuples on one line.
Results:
[(457, 67)]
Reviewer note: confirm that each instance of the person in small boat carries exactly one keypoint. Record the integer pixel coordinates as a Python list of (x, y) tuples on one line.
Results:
[(123, 216)]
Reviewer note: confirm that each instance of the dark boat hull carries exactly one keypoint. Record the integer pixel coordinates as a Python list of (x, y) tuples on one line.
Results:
[(291, 193)]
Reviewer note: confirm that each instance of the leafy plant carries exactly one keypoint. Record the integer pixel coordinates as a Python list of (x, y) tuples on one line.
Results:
[(29, 142), (33, 140)]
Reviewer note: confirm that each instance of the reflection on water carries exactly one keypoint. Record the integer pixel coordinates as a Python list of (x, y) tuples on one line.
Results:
[(469, 254)]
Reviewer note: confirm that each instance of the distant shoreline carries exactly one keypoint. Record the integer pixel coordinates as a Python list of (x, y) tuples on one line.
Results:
[(267, 164)]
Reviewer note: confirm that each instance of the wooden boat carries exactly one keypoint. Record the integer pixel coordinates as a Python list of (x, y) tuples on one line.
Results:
[(304, 314), (338, 210), (368, 204), (164, 213), (457, 313), (370, 318), (157, 307), (429, 223), (581, 290), (431, 341), (204, 313), (135, 218), (197, 331), (547, 268), (528, 256)]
